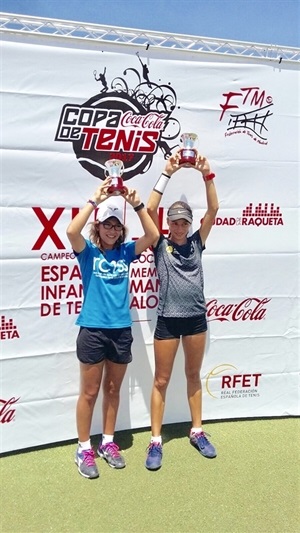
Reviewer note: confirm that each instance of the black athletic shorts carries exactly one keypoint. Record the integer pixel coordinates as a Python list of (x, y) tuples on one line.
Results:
[(98, 344), (174, 328)]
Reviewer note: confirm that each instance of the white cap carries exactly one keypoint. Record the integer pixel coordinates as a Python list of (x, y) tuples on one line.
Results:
[(109, 210)]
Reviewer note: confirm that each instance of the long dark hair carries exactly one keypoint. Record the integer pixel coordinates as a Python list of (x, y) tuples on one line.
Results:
[(95, 236)]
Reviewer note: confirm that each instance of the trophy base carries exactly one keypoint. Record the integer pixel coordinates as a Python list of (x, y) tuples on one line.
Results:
[(113, 191), (116, 188), (187, 158)]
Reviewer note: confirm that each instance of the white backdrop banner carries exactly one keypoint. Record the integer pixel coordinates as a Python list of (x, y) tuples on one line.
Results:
[(65, 111)]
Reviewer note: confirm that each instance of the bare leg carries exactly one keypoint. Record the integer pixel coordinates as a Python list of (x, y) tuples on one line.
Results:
[(113, 378), (165, 352), (90, 381), (194, 346)]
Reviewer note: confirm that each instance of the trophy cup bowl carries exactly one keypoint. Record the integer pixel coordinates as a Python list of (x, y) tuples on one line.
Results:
[(188, 153), (114, 170)]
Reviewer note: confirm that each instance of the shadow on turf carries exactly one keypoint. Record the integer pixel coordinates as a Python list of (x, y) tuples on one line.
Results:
[(125, 438), (169, 432)]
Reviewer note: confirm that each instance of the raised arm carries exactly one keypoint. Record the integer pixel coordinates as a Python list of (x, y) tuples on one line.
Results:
[(151, 233), (80, 220), (158, 189), (202, 164)]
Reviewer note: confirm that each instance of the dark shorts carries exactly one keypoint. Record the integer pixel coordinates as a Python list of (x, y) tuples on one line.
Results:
[(95, 345), (174, 328)]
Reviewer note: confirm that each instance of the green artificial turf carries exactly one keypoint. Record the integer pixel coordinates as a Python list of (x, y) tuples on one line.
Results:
[(253, 485)]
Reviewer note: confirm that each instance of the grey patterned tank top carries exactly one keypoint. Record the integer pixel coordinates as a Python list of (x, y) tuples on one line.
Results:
[(179, 269)]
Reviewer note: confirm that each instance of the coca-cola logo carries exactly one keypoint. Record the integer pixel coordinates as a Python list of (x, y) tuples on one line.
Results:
[(7, 411), (247, 309)]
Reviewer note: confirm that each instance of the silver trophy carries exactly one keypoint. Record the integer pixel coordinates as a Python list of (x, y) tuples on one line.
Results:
[(114, 170), (188, 153)]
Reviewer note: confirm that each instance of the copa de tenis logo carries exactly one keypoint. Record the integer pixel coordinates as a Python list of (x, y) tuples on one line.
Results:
[(130, 118)]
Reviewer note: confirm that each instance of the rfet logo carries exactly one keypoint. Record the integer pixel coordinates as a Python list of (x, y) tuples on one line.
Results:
[(7, 410), (247, 111), (225, 382), (130, 120), (260, 215), (247, 309)]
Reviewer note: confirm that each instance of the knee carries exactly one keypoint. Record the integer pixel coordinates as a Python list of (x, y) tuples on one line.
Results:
[(90, 394), (161, 382), (193, 377), (110, 389)]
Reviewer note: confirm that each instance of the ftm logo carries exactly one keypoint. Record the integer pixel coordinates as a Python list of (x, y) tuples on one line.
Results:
[(225, 382), (247, 111), (129, 119)]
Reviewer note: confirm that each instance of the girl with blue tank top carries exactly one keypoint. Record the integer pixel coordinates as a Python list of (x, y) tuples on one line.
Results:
[(104, 339)]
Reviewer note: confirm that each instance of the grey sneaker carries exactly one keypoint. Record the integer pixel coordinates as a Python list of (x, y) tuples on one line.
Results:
[(85, 460), (154, 456), (110, 452)]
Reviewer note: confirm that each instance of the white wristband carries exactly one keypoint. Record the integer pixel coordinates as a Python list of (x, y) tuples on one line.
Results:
[(161, 183)]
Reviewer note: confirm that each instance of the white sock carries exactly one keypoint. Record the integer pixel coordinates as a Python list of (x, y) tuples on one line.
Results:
[(86, 445), (196, 430), (157, 440), (107, 438)]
